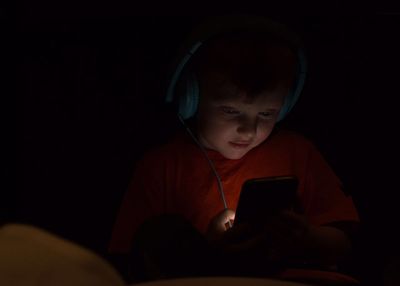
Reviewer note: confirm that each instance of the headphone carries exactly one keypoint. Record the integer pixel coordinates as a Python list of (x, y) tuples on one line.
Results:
[(187, 102)]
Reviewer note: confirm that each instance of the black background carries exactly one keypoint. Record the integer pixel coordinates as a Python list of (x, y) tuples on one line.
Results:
[(90, 87)]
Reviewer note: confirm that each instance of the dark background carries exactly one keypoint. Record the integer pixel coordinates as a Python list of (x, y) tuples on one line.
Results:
[(90, 87)]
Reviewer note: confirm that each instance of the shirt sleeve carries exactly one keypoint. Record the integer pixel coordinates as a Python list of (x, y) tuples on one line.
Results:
[(142, 200), (324, 200)]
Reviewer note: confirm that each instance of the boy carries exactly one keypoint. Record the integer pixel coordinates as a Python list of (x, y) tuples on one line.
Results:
[(244, 79)]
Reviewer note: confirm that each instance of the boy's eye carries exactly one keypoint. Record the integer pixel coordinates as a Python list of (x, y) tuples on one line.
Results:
[(266, 114), (229, 110)]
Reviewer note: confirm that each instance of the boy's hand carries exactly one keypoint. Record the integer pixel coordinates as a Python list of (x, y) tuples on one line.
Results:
[(236, 239), (282, 237), (285, 237), (219, 224), (288, 235)]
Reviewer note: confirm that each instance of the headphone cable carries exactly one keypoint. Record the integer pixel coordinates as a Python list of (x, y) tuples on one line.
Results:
[(220, 187)]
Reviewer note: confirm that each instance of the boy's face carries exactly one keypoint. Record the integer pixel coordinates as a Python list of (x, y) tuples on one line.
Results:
[(233, 125)]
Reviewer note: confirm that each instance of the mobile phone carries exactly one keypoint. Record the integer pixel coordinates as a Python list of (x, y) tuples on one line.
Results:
[(262, 197)]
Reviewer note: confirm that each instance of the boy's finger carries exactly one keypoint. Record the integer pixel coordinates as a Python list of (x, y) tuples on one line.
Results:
[(228, 215)]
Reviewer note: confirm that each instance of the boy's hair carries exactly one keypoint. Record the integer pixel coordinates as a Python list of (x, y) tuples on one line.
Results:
[(252, 61)]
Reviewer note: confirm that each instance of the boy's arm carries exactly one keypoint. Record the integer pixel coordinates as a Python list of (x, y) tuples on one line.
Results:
[(293, 239), (332, 214), (328, 244), (323, 199), (142, 200)]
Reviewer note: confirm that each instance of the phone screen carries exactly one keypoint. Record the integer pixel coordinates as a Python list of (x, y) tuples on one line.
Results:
[(263, 197)]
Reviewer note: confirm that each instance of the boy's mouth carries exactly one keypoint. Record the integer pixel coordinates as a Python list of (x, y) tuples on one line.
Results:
[(239, 145)]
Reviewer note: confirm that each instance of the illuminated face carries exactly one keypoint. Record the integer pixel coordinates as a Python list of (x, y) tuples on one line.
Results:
[(233, 126)]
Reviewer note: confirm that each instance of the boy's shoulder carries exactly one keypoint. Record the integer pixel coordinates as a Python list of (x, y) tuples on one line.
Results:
[(178, 144), (284, 137), (284, 148)]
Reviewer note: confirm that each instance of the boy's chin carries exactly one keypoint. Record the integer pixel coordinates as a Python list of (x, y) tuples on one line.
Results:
[(234, 155)]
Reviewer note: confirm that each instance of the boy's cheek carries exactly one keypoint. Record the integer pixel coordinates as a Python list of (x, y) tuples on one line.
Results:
[(219, 131), (263, 135)]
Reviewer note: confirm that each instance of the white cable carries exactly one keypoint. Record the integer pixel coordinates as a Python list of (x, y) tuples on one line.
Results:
[(220, 187)]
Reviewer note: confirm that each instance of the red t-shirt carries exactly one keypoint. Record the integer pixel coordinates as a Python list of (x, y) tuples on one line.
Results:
[(177, 178)]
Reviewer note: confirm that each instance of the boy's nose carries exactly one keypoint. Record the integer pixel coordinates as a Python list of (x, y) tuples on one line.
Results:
[(247, 128)]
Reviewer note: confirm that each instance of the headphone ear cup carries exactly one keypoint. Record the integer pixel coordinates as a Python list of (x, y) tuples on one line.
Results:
[(294, 93), (286, 106), (189, 100)]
